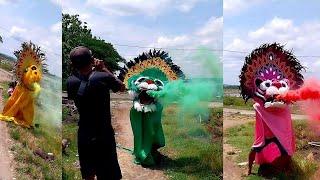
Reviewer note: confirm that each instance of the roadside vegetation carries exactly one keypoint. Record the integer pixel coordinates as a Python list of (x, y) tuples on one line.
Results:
[(241, 137), (193, 149), (45, 137)]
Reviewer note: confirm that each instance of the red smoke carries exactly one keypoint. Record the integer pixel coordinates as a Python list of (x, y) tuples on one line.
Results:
[(309, 95), (309, 91)]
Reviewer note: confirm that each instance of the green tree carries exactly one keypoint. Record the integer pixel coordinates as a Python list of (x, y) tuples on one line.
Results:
[(76, 33)]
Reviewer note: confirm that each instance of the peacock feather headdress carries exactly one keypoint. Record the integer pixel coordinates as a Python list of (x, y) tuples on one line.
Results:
[(269, 61), (155, 61), (28, 55)]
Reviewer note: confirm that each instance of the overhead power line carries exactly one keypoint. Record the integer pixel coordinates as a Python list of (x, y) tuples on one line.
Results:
[(196, 49), (167, 48), (179, 49)]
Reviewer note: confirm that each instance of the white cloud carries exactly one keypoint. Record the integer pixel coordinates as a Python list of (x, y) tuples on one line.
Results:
[(109, 26), (303, 39), (4, 2), (145, 7), (129, 7), (315, 67), (231, 7), (214, 25), (186, 5), (9, 2), (15, 30), (208, 35), (284, 31), (57, 2), (280, 30), (164, 41), (50, 43), (56, 28), (277, 26), (19, 28), (230, 65)]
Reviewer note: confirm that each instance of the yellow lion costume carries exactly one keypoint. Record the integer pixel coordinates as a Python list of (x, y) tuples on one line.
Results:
[(28, 70)]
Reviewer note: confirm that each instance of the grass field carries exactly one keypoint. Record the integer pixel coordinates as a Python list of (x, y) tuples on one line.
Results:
[(46, 137), (70, 169), (193, 150), (237, 103), (242, 136)]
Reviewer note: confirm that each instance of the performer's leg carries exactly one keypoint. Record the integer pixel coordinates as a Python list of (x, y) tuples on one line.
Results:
[(136, 125), (87, 157), (107, 162), (89, 177), (143, 136), (251, 158), (159, 140)]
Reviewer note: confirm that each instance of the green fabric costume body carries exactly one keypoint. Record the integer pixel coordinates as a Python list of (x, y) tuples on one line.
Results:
[(148, 135), (144, 77)]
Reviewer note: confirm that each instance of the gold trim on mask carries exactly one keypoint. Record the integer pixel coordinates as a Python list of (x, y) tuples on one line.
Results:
[(155, 62)]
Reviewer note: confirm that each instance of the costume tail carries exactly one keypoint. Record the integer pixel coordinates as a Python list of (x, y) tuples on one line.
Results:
[(14, 120), (6, 118)]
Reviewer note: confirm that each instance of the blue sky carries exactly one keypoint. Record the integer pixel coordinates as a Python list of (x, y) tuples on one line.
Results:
[(169, 24), (249, 23), (38, 21), (172, 24)]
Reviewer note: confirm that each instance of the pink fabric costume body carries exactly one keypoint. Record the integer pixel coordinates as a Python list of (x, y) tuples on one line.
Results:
[(272, 122)]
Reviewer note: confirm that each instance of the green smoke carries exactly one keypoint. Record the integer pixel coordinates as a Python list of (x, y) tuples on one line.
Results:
[(192, 96), (209, 61), (49, 102)]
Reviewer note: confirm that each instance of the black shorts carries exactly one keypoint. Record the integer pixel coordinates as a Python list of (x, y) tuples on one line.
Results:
[(98, 156)]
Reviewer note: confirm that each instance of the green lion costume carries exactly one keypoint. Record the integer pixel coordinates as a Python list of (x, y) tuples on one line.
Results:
[(148, 73)]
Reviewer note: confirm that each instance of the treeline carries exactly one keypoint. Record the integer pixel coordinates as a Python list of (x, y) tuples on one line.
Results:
[(77, 33), (8, 58), (6, 62)]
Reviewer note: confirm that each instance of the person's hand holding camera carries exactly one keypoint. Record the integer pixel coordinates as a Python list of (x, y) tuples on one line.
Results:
[(99, 65)]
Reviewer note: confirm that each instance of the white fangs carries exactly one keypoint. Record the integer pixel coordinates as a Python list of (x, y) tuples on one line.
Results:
[(277, 104), (132, 94), (144, 108), (146, 86)]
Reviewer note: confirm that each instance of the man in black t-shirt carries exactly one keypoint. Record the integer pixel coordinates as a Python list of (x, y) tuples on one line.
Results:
[(89, 87)]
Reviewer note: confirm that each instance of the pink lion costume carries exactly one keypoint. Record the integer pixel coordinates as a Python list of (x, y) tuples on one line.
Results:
[(270, 71)]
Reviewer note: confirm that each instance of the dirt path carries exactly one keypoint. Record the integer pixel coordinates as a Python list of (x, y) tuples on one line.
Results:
[(6, 157), (230, 169), (244, 114), (233, 117), (6, 169), (5, 75), (252, 112), (124, 138)]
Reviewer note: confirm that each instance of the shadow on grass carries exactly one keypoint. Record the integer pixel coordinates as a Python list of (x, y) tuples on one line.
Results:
[(187, 166), (300, 170)]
